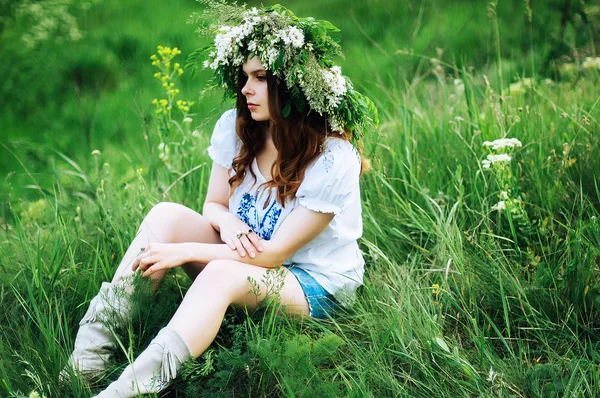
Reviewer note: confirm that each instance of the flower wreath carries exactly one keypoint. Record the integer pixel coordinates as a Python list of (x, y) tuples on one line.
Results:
[(297, 50)]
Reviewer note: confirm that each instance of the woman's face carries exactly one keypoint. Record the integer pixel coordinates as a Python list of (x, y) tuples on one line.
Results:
[(255, 90)]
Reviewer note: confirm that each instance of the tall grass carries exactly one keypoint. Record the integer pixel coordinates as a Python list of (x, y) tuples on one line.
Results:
[(458, 300)]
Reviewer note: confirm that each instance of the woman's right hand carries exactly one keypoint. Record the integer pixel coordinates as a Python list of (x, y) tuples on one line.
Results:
[(239, 236)]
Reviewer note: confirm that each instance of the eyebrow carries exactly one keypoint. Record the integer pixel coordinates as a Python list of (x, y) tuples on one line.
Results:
[(254, 72)]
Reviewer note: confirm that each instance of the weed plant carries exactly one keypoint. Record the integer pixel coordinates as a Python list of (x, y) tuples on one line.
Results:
[(480, 281)]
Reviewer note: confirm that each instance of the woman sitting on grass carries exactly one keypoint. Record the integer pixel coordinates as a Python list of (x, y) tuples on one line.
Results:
[(284, 190)]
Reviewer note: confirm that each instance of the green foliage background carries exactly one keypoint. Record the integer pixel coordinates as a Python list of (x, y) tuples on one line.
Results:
[(459, 299)]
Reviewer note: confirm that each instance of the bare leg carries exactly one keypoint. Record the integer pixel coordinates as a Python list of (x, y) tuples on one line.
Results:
[(225, 282), (196, 322), (168, 223), (95, 341)]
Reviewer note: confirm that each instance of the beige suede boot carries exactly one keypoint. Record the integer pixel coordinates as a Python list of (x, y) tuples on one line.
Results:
[(154, 369), (95, 341)]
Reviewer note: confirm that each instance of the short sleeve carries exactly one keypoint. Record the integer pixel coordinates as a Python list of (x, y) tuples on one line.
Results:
[(331, 183), (224, 142)]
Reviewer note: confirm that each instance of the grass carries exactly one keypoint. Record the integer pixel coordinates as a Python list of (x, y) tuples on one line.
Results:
[(458, 300)]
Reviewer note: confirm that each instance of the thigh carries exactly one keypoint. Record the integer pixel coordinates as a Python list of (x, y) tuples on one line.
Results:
[(179, 224), (248, 284)]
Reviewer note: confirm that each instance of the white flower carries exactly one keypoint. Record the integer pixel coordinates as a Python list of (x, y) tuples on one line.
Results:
[(335, 125), (499, 158), (187, 119), (503, 143), (272, 54), (591, 63), (499, 206), (492, 375), (460, 86), (504, 195), (96, 152), (486, 164), (337, 84), (293, 36)]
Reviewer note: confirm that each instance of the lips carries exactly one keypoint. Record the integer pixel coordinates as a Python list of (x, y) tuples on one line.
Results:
[(252, 106)]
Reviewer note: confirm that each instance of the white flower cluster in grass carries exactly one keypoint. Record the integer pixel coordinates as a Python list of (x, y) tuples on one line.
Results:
[(491, 159), (503, 143), (501, 205), (591, 63)]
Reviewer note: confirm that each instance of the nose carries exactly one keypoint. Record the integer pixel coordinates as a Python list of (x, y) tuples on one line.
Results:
[(247, 89)]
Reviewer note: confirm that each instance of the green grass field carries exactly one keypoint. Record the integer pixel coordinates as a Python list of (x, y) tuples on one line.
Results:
[(480, 282)]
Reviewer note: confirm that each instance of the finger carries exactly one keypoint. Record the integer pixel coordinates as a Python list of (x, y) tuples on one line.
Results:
[(136, 263), (255, 239), (229, 242), (146, 262), (248, 245), (239, 247), (151, 270)]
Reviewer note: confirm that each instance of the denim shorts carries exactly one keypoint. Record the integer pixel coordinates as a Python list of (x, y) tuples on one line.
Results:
[(321, 303)]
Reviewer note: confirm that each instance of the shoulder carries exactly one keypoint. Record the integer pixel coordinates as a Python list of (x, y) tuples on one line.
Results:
[(227, 119), (224, 142), (338, 154)]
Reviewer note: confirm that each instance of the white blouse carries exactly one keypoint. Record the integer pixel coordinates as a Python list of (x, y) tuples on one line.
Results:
[(330, 185)]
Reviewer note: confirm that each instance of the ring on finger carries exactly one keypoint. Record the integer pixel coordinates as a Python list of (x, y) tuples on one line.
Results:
[(238, 234)]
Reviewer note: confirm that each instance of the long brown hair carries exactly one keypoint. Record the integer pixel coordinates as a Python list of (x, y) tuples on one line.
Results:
[(298, 138)]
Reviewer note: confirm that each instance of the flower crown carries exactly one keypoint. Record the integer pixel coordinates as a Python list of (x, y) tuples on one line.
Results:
[(298, 51)]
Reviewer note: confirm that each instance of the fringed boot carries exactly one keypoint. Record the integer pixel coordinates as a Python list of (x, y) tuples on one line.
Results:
[(154, 369), (95, 341)]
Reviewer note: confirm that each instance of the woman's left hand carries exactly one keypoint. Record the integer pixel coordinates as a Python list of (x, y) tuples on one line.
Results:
[(160, 256)]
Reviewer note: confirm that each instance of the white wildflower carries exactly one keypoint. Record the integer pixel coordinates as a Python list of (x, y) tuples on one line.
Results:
[(591, 63), (272, 55), (460, 85), (499, 158), (187, 119), (335, 125), (486, 164), (503, 143), (292, 35), (504, 195), (492, 375), (337, 85), (499, 206)]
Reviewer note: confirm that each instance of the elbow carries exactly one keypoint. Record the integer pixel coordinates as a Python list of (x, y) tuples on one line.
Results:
[(271, 257)]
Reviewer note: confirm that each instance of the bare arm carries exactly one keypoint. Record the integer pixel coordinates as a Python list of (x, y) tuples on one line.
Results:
[(299, 227), (216, 210)]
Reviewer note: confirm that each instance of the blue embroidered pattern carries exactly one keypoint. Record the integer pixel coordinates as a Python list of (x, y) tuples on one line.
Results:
[(248, 213)]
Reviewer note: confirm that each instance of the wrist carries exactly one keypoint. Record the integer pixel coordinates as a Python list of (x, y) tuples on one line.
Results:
[(189, 251), (221, 218)]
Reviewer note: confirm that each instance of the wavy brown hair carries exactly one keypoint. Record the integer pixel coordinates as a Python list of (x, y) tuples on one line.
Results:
[(298, 138)]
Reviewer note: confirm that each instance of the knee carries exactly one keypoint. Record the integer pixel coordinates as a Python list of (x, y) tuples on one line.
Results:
[(162, 209), (222, 275), (164, 216)]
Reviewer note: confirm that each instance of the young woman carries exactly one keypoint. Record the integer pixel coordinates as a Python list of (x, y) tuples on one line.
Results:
[(283, 191)]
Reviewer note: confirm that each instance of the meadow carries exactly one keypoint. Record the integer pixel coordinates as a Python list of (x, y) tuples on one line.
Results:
[(481, 255)]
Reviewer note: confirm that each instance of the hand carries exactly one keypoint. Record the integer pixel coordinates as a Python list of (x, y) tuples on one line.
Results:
[(247, 243), (160, 256)]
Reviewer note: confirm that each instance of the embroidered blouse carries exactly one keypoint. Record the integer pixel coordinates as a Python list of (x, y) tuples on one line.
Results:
[(330, 185)]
